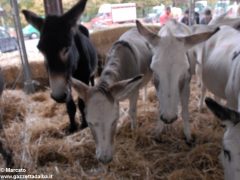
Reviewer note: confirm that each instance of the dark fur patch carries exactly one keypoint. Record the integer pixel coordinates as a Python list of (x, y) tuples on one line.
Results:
[(103, 88), (136, 78), (235, 54), (125, 44), (222, 112)]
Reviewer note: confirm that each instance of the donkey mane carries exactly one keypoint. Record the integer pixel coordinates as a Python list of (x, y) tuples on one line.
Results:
[(112, 71), (103, 88), (125, 44), (113, 63)]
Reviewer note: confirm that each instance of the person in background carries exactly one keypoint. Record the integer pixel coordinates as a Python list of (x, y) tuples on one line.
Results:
[(166, 16), (185, 18), (207, 17)]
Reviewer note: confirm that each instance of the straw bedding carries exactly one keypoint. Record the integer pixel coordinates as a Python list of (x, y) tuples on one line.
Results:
[(35, 128)]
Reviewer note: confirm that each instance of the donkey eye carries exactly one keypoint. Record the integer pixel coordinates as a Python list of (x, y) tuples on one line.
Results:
[(64, 54), (227, 154), (65, 50)]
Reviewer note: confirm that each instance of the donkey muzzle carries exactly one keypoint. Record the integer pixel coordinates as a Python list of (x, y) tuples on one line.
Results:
[(168, 120), (104, 157)]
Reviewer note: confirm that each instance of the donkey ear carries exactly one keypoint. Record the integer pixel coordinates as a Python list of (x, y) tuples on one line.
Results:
[(81, 88), (33, 19), (122, 89), (75, 12), (194, 39), (228, 116), (147, 34)]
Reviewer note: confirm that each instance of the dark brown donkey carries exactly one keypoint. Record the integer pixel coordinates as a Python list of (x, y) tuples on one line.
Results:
[(68, 52)]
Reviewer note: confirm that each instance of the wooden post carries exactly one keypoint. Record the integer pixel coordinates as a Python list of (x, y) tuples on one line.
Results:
[(53, 7)]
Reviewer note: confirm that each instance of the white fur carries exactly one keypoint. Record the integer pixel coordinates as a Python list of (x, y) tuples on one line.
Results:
[(220, 74), (172, 69), (231, 142)]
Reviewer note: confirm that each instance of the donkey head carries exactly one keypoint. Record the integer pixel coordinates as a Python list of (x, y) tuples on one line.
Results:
[(230, 155), (102, 111), (58, 47), (170, 65)]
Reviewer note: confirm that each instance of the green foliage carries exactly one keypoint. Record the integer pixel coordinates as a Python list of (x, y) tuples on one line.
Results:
[(7, 19), (34, 5), (91, 8), (27, 4)]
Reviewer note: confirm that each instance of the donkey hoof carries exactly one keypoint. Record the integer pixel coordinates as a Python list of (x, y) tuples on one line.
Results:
[(190, 142), (72, 129), (157, 137), (158, 140), (83, 126)]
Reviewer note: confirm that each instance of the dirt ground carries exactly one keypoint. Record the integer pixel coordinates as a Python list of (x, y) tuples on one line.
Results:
[(35, 129)]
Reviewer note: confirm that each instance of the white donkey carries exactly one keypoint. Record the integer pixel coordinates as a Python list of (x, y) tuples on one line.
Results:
[(230, 156), (198, 54), (220, 63), (172, 71), (129, 57)]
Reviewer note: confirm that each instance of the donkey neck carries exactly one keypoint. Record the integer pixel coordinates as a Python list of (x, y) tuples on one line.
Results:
[(121, 63)]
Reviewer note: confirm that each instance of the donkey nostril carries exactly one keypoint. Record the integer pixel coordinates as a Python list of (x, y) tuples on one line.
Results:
[(105, 159), (163, 119), (168, 121)]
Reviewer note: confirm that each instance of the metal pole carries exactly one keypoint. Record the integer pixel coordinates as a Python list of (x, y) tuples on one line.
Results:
[(190, 13), (53, 7), (28, 83)]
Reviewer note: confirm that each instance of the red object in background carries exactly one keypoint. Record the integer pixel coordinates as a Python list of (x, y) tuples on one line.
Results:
[(102, 19), (165, 17)]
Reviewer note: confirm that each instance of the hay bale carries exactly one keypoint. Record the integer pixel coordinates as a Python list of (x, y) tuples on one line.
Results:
[(39, 72), (11, 74), (13, 70)]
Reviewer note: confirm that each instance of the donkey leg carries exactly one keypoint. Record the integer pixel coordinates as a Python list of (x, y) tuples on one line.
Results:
[(81, 106), (202, 96), (185, 113), (71, 109), (133, 109)]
